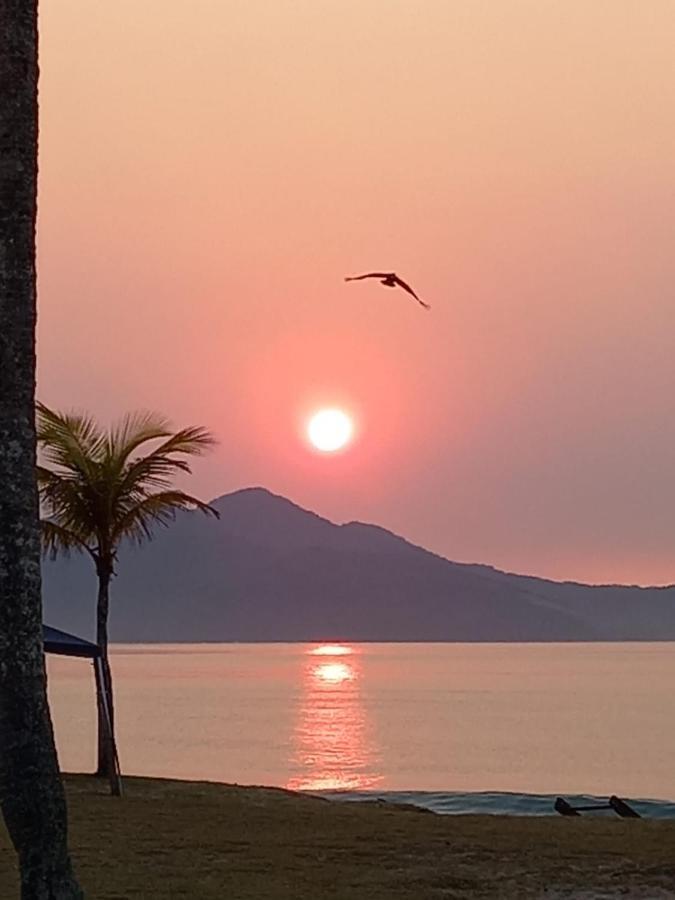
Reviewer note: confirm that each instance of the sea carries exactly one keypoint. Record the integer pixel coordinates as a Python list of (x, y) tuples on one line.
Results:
[(456, 728)]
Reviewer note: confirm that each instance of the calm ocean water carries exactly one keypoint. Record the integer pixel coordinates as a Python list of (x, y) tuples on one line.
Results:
[(457, 727)]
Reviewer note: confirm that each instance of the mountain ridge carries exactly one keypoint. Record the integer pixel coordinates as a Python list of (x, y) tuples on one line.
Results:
[(261, 490), (268, 569)]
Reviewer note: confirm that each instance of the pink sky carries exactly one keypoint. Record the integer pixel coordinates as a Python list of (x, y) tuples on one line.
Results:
[(211, 170)]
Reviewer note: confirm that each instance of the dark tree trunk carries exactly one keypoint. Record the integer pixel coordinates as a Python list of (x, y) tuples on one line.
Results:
[(31, 793), (104, 699)]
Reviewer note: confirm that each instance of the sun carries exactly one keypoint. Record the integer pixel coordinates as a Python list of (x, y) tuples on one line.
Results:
[(330, 429)]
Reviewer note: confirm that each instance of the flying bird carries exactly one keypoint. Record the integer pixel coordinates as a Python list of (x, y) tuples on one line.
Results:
[(389, 279)]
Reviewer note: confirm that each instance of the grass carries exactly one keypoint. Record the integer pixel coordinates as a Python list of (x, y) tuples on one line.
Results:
[(172, 839)]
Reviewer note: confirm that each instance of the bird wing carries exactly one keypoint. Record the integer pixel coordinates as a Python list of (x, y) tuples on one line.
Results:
[(406, 287), (368, 275)]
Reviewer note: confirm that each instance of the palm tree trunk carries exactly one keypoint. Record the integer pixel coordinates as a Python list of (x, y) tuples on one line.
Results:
[(104, 698), (31, 793)]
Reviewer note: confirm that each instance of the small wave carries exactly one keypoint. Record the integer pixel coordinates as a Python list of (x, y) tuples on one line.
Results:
[(498, 803)]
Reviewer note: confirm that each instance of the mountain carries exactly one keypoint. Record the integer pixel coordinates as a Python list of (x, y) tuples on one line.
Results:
[(269, 570)]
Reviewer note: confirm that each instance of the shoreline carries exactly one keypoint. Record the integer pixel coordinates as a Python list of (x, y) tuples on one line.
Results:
[(500, 803), (204, 841), (507, 803)]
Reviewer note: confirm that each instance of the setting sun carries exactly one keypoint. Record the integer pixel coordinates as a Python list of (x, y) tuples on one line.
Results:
[(330, 429)]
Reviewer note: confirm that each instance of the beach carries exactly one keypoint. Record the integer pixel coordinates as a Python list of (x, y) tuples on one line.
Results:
[(171, 839)]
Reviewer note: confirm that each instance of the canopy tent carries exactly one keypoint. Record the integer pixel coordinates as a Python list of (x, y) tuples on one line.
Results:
[(64, 644)]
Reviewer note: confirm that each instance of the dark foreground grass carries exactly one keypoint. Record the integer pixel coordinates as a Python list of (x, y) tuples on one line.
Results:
[(169, 839)]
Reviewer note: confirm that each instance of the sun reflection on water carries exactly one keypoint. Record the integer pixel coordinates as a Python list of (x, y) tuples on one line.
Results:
[(331, 650), (333, 747), (333, 673)]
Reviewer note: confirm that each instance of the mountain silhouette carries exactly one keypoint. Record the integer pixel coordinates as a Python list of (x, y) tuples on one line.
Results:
[(269, 570)]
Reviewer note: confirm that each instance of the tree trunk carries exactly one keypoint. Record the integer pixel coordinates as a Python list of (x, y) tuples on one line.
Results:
[(105, 767), (31, 793)]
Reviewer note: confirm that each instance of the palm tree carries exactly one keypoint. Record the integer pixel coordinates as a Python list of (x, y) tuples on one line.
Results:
[(98, 489), (31, 792)]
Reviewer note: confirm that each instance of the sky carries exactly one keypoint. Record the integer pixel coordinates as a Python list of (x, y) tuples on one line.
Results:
[(210, 171)]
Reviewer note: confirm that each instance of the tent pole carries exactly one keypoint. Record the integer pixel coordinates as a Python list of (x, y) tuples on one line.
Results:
[(115, 772)]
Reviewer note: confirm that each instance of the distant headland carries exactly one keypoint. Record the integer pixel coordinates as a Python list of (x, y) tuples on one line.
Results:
[(269, 570)]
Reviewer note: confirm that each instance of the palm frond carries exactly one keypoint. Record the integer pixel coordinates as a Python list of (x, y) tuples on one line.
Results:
[(138, 522), (68, 501), (72, 441), (132, 431), (57, 539), (192, 441), (96, 487), (157, 469)]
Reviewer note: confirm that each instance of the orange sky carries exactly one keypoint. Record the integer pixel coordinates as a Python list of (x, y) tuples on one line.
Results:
[(209, 172)]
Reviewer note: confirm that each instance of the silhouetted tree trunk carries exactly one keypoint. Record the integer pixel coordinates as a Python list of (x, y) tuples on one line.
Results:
[(106, 743), (31, 793)]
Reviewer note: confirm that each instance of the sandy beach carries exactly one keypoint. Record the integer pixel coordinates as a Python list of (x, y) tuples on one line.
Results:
[(171, 839)]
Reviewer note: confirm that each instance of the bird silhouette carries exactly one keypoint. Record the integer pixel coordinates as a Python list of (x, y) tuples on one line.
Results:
[(389, 279)]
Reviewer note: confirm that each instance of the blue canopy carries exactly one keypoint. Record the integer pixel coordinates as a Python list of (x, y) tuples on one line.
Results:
[(65, 644)]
